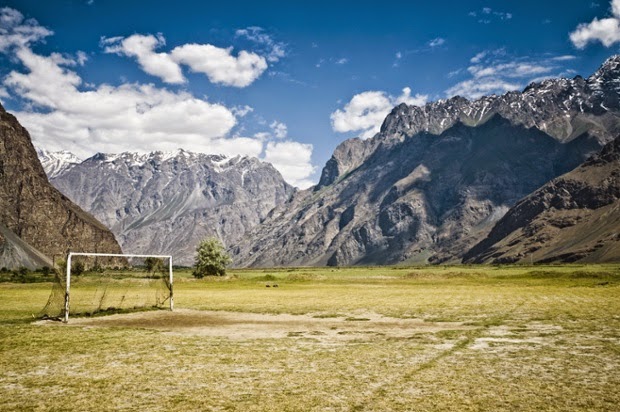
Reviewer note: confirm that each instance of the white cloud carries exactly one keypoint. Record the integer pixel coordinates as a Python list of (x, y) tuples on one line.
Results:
[(273, 50), (495, 72), (61, 112), (563, 58), (436, 42), (81, 58), (342, 61), (17, 32), (366, 111), (293, 160), (488, 15), (279, 129), (405, 97), (128, 117), (607, 30), (478, 57), (474, 89), (143, 49), (512, 69), (262, 136), (219, 65), (242, 111)]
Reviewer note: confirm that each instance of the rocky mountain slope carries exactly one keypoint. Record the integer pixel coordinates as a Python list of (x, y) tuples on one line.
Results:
[(56, 163), (33, 210), (168, 202), (575, 217), (562, 108), (436, 178), (15, 253)]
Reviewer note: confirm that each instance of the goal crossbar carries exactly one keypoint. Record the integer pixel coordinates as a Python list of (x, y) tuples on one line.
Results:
[(68, 281)]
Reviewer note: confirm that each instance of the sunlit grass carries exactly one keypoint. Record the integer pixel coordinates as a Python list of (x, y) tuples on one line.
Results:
[(532, 338)]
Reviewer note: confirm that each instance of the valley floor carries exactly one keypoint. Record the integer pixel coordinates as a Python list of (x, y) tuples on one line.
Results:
[(349, 339)]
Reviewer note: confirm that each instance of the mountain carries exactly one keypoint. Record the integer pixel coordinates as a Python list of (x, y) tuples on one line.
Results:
[(573, 218), (56, 163), (36, 213), (166, 202), (436, 178), (562, 108)]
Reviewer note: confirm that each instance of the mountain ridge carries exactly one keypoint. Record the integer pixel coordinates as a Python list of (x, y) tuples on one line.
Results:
[(166, 202), (574, 217), (544, 105), (379, 201)]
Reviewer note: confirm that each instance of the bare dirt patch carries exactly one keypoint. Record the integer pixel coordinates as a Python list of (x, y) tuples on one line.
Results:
[(246, 326)]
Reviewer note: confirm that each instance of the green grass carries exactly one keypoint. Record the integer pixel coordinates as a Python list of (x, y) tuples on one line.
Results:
[(485, 338)]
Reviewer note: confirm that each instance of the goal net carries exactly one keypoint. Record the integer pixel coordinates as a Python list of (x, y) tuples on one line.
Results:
[(91, 283)]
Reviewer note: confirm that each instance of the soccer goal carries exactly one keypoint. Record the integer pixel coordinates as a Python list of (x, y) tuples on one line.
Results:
[(110, 283)]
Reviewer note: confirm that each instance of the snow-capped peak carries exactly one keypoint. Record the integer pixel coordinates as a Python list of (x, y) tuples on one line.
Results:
[(55, 163)]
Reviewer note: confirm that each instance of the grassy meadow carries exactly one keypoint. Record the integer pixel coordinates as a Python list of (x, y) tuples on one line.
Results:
[(466, 338)]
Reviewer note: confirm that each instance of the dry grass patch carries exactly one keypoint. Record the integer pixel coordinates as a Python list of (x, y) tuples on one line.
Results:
[(450, 339), (249, 326)]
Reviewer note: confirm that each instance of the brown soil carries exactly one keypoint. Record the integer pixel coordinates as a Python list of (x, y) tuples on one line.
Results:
[(247, 326)]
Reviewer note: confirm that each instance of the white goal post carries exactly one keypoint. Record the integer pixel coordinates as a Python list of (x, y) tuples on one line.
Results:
[(68, 281)]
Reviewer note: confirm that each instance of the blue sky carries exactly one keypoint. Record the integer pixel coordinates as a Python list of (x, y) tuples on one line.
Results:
[(283, 81)]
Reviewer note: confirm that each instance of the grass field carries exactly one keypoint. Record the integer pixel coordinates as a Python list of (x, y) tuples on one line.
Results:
[(350, 339)]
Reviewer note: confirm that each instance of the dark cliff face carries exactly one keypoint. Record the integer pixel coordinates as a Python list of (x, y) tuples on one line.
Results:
[(31, 208), (426, 198), (437, 178), (575, 217)]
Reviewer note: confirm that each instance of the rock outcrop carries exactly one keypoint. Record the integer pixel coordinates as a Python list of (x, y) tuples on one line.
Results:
[(33, 210), (573, 218)]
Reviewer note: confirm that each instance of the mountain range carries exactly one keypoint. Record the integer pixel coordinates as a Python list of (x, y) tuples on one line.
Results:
[(167, 202), (429, 187), (436, 179)]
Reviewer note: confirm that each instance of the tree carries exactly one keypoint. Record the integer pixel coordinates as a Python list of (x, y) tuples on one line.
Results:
[(77, 268), (211, 259), (153, 264)]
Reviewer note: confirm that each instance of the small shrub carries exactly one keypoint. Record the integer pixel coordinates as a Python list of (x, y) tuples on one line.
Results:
[(77, 268), (211, 259)]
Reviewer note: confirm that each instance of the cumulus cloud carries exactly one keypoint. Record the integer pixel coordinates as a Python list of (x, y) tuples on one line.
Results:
[(219, 65), (62, 112), (366, 111), (495, 72), (606, 30), (112, 119), (143, 49), (292, 159)]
